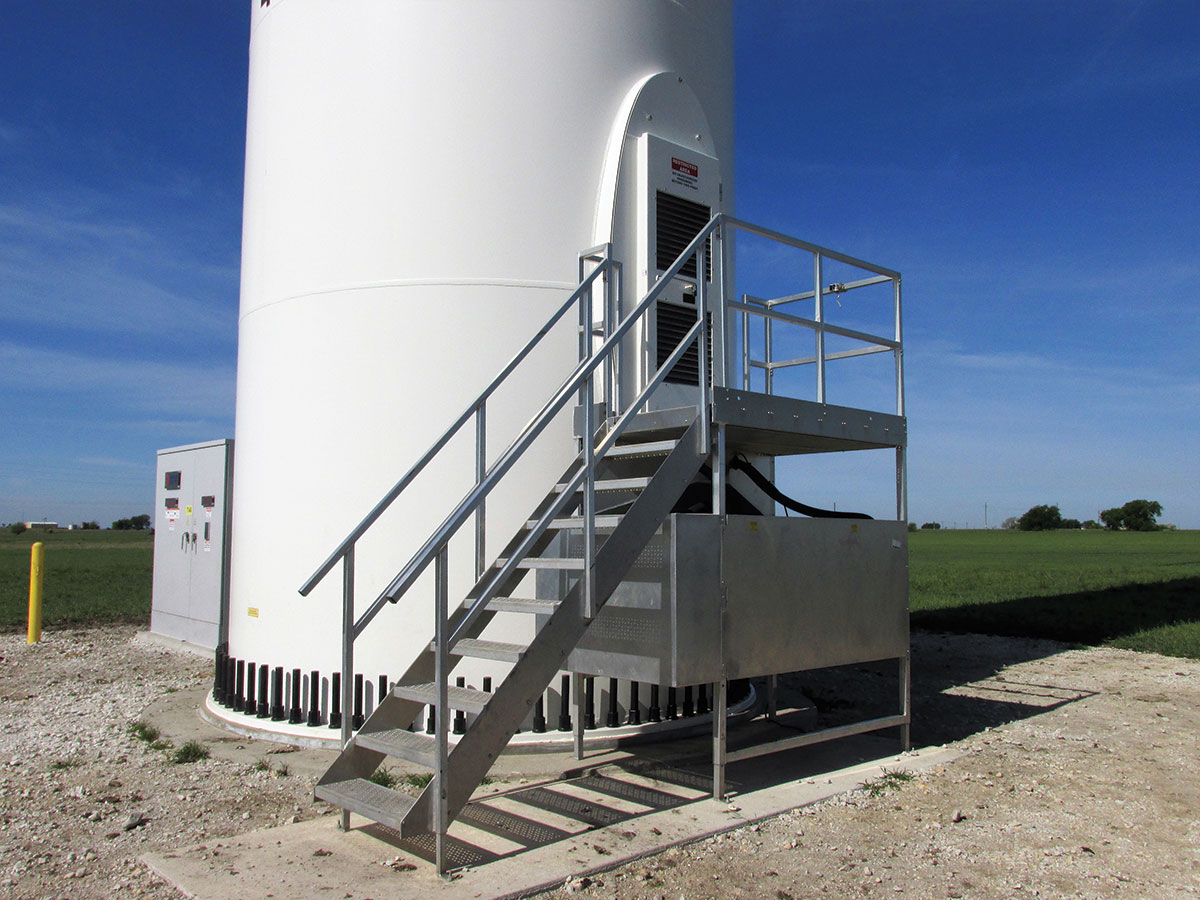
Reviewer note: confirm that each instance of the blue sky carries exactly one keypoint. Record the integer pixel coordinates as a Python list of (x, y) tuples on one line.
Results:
[(1032, 168)]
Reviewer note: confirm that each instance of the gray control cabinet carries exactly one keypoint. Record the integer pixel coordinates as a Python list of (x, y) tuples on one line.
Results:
[(191, 543)]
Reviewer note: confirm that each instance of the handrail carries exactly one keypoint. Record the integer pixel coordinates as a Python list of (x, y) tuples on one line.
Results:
[(326, 567), (421, 559)]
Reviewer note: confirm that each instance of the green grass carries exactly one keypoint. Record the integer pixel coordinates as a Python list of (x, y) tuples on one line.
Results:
[(1140, 591), (90, 577), (890, 780), (189, 752)]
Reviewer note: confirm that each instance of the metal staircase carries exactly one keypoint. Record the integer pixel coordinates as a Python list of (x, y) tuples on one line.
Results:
[(499, 713), (611, 544), (607, 505)]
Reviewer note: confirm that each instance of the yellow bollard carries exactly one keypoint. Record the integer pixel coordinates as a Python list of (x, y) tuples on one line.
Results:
[(35, 593)]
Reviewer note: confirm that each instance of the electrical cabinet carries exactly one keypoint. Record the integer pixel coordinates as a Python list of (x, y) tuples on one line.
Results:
[(191, 543)]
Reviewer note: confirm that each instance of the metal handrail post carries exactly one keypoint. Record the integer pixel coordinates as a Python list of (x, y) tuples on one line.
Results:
[(589, 479), (480, 471), (819, 316), (901, 453), (702, 347), (347, 657), (441, 717), (745, 350)]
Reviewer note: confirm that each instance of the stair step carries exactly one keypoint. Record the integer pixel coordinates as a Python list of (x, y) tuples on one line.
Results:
[(418, 748), (368, 799), (523, 605), (570, 523), (547, 562), (466, 699), (613, 484), (479, 649), (632, 451)]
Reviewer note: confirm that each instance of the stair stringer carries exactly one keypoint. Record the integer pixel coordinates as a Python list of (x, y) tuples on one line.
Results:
[(476, 751), (397, 712)]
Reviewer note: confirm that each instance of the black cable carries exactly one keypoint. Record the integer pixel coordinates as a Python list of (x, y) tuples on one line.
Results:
[(764, 484)]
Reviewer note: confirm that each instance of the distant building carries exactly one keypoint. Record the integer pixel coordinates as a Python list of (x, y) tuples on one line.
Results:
[(44, 526)]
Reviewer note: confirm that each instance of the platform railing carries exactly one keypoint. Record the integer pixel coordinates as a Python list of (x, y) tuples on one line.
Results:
[(773, 311)]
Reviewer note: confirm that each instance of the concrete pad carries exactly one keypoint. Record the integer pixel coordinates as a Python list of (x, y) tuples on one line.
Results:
[(314, 859)]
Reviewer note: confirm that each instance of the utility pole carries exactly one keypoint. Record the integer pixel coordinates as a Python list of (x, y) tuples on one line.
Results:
[(985, 515)]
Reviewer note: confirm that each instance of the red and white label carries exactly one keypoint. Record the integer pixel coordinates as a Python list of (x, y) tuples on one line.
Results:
[(684, 167)]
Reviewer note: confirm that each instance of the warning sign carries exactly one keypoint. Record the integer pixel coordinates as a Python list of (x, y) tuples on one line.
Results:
[(684, 173)]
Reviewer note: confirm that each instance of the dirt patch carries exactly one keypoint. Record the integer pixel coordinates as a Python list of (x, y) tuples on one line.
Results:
[(1077, 781)]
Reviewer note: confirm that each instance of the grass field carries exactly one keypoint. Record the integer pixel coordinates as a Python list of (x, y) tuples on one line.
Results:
[(1135, 590), (1132, 590), (90, 576)]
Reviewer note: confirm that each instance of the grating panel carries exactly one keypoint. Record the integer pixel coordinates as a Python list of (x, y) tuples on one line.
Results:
[(672, 323), (677, 221)]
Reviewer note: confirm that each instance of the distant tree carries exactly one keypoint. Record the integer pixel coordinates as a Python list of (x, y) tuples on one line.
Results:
[(18, 528), (1074, 524), (912, 526), (1040, 518), (89, 526), (1010, 523), (1112, 518), (933, 526), (1139, 515), (1092, 524), (135, 523)]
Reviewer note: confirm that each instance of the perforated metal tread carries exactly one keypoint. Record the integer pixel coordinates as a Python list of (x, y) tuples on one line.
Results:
[(466, 699), (418, 748), (480, 649), (614, 484), (523, 605), (632, 451), (368, 799), (546, 562), (568, 523)]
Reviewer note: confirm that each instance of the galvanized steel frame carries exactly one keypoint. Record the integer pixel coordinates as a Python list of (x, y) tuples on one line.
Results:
[(603, 364)]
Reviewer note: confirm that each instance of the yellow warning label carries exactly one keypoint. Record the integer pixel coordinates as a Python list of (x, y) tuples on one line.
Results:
[(252, 612), (189, 510), (753, 526), (854, 529)]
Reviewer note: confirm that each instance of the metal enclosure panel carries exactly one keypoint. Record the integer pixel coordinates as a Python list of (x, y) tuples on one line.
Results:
[(807, 593), (802, 594), (191, 557)]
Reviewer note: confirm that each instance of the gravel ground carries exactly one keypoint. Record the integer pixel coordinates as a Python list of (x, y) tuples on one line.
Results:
[(1078, 779)]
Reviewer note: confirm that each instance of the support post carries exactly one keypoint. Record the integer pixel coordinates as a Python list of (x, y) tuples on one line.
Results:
[(906, 701), (577, 702), (720, 709)]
